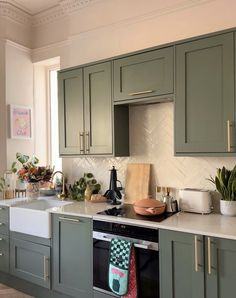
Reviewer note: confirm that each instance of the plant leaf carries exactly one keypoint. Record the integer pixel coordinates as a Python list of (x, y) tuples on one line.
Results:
[(22, 158)]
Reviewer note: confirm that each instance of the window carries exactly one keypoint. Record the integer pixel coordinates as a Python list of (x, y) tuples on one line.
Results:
[(55, 160)]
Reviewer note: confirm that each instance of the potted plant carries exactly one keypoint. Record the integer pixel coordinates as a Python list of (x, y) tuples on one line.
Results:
[(225, 182)]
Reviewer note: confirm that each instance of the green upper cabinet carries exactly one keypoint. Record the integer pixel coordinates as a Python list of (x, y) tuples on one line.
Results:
[(98, 109), (72, 256), (204, 103), (181, 265), (71, 107), (221, 268), (87, 121), (144, 75)]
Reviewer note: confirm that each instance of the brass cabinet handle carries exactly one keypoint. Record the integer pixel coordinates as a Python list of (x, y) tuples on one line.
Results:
[(45, 268), (1, 223), (1, 239), (1, 208), (69, 219), (209, 254), (1, 254), (87, 142), (81, 142), (229, 127), (196, 252), (141, 92)]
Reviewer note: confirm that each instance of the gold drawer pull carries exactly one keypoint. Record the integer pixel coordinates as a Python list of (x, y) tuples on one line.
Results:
[(87, 142), (196, 252), (81, 142), (141, 92), (45, 268), (229, 128), (69, 219), (209, 254)]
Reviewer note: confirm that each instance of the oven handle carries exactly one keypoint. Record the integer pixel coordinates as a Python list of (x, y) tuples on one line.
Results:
[(145, 245)]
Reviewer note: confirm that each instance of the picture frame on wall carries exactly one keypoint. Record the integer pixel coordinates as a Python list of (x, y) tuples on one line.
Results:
[(20, 122)]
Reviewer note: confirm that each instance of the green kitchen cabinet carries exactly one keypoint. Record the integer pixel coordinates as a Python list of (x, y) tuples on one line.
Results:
[(71, 106), (87, 120), (196, 266), (204, 101), (220, 267), (72, 256), (181, 274), (4, 239), (30, 261), (144, 75)]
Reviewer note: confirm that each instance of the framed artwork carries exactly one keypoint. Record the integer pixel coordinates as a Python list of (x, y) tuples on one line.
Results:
[(20, 122)]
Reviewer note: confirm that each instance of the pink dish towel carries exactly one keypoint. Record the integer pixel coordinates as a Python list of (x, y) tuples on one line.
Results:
[(132, 292)]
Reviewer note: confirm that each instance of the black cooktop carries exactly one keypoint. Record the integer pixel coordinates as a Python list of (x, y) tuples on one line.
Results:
[(127, 211)]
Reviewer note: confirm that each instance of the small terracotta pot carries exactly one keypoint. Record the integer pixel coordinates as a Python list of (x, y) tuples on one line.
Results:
[(149, 207)]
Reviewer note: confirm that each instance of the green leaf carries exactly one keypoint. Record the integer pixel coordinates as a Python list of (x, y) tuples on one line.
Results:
[(34, 160), (22, 158)]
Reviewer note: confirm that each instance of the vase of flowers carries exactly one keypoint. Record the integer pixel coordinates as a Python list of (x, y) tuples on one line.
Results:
[(225, 182), (32, 174)]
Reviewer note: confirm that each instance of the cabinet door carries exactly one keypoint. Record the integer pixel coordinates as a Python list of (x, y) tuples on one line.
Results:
[(30, 261), (4, 253), (72, 256), (71, 111), (98, 109), (220, 268), (181, 265), (144, 75), (204, 94)]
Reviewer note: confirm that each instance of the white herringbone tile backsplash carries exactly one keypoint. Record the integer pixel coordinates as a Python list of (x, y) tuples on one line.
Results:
[(152, 141)]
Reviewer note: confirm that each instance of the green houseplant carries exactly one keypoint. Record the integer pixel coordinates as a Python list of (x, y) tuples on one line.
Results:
[(225, 182)]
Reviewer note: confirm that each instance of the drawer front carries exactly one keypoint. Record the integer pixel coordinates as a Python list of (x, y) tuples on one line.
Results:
[(4, 243), (4, 212), (144, 75), (4, 260), (4, 226)]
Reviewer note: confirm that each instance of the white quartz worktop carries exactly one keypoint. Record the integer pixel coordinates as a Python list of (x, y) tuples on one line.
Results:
[(214, 225)]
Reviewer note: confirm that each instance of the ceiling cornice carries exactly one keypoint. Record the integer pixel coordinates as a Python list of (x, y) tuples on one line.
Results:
[(71, 6), (14, 13)]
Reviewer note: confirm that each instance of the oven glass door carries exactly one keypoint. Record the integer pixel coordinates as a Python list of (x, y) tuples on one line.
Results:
[(147, 268)]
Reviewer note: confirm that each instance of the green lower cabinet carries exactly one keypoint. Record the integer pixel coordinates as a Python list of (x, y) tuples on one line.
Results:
[(220, 268), (4, 253), (193, 266), (30, 261), (72, 256), (181, 275)]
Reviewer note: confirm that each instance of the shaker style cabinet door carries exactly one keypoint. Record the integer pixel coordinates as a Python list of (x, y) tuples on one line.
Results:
[(98, 109), (71, 112), (220, 268), (30, 261), (204, 103), (72, 256), (144, 75), (181, 265)]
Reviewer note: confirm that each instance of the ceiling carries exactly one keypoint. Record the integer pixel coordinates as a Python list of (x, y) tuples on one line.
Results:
[(34, 6)]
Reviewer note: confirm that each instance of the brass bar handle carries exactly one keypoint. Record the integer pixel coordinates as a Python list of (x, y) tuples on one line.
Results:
[(209, 254), (87, 142), (81, 142), (1, 239), (196, 253), (69, 219), (45, 268), (229, 143), (141, 92)]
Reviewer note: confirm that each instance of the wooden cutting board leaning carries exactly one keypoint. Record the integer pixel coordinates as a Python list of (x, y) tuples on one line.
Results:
[(137, 182)]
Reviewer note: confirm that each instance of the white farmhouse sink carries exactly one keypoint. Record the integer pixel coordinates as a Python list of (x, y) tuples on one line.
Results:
[(33, 217)]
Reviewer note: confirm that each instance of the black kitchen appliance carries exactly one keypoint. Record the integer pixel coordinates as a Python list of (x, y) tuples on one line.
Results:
[(145, 242), (113, 193)]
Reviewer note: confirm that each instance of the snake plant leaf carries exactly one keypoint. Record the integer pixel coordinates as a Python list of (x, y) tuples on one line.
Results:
[(22, 158), (218, 185), (222, 177), (232, 177)]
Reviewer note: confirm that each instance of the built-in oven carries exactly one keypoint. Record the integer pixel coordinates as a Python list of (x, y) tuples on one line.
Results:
[(145, 242)]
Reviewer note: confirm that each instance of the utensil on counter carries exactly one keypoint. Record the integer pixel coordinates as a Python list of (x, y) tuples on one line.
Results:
[(137, 181), (149, 207), (113, 194), (171, 203)]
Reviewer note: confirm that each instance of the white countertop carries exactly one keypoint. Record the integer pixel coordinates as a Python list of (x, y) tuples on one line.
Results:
[(214, 225)]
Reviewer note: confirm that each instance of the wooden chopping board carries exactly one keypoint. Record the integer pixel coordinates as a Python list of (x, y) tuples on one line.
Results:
[(137, 181)]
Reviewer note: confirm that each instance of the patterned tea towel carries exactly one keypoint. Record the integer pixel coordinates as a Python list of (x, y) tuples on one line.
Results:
[(119, 265), (132, 292)]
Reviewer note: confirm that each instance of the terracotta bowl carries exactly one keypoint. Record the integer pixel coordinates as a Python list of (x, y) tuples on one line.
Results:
[(149, 207)]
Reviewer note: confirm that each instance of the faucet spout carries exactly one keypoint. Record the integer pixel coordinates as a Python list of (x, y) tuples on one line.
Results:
[(62, 195)]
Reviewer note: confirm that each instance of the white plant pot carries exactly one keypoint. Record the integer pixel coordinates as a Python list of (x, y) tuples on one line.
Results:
[(228, 207)]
